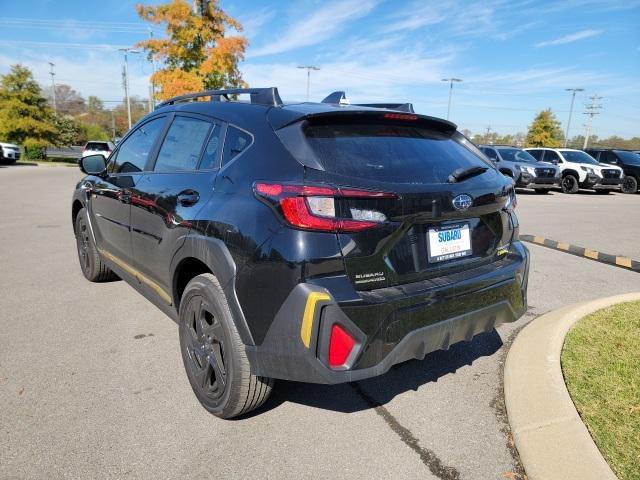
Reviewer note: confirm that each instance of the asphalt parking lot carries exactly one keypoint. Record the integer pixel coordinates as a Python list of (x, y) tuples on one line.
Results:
[(92, 384)]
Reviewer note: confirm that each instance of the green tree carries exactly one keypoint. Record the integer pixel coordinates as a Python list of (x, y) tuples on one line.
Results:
[(545, 130), (68, 131), (25, 118), (197, 54)]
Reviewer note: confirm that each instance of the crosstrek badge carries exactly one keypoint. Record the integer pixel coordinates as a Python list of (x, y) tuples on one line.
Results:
[(370, 277)]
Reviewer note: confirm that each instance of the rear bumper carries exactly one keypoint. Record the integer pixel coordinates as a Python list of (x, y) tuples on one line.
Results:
[(391, 325)]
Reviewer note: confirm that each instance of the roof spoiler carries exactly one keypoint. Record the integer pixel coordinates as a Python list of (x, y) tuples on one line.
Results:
[(340, 98), (259, 96)]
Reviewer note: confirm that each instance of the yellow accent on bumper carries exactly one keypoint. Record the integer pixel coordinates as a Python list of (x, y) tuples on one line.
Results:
[(309, 313), (141, 278)]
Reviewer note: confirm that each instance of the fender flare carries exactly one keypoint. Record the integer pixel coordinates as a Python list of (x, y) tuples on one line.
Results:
[(215, 255), (571, 172)]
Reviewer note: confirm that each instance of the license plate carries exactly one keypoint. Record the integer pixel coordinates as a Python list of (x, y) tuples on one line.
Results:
[(449, 242)]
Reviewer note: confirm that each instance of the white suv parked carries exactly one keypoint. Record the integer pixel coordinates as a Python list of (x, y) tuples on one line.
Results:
[(9, 153), (580, 170)]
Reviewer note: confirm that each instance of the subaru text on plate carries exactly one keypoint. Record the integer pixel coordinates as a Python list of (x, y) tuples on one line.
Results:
[(316, 242)]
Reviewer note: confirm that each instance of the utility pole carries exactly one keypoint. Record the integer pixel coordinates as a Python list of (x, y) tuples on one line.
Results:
[(308, 68), (592, 111), (573, 97), (152, 87), (53, 85), (486, 137), (451, 82), (125, 74), (113, 126)]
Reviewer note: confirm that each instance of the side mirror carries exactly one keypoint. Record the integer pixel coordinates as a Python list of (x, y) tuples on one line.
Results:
[(93, 164)]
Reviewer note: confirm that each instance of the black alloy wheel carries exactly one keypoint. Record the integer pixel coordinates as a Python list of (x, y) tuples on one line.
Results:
[(629, 185), (205, 348), (569, 184), (213, 353)]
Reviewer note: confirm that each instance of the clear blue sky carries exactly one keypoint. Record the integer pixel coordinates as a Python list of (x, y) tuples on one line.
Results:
[(516, 57)]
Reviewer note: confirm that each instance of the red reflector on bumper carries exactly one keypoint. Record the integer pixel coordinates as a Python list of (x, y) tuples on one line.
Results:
[(340, 346)]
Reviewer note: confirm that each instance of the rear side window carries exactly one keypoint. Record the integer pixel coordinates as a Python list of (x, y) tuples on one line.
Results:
[(210, 155), (182, 146), (390, 152), (550, 156), (235, 143), (490, 152), (537, 154)]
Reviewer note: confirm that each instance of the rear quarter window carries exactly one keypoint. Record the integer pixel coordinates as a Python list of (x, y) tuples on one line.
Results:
[(390, 152)]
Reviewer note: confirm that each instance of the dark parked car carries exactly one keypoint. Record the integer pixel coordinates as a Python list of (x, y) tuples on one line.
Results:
[(523, 167), (315, 242), (627, 160)]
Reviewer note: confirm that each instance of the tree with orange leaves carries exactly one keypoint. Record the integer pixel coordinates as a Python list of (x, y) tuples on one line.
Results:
[(196, 54)]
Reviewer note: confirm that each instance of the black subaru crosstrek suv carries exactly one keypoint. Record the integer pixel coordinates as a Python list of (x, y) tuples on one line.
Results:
[(315, 242)]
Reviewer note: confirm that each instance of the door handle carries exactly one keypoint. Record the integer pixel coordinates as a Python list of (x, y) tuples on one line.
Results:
[(188, 198)]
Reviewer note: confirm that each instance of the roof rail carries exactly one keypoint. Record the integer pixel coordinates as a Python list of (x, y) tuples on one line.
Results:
[(260, 96), (340, 97)]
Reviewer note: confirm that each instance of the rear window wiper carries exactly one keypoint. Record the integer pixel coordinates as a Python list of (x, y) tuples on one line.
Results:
[(463, 173)]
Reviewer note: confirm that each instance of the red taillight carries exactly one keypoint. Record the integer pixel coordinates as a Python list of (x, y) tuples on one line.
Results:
[(294, 202), (340, 346)]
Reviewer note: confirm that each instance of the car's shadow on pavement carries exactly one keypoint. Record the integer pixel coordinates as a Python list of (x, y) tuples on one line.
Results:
[(17, 165), (407, 376)]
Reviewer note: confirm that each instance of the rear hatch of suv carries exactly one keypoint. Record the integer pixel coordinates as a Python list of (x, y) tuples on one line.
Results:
[(423, 200)]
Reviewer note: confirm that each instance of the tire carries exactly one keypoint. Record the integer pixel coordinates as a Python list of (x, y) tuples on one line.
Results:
[(629, 185), (541, 191), (92, 266), (569, 184), (213, 352)]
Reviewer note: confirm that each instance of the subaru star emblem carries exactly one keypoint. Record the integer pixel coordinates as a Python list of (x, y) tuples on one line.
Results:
[(462, 202)]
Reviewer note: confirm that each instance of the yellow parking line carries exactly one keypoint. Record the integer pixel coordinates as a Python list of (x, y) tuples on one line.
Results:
[(623, 262), (563, 246), (591, 254)]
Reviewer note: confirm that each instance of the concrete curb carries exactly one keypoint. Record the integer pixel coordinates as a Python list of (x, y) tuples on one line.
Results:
[(552, 441), (606, 258)]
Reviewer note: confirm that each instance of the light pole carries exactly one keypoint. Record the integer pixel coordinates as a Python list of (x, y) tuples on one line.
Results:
[(309, 68), (126, 81), (573, 97), (53, 85), (451, 82)]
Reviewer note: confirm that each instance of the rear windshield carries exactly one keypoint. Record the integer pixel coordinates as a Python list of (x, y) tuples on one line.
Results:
[(97, 146), (389, 152)]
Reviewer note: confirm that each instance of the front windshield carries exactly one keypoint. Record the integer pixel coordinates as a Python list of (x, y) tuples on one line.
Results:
[(576, 156), (516, 155), (629, 158)]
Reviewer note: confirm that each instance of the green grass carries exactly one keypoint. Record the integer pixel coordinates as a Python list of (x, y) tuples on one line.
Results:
[(601, 365)]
